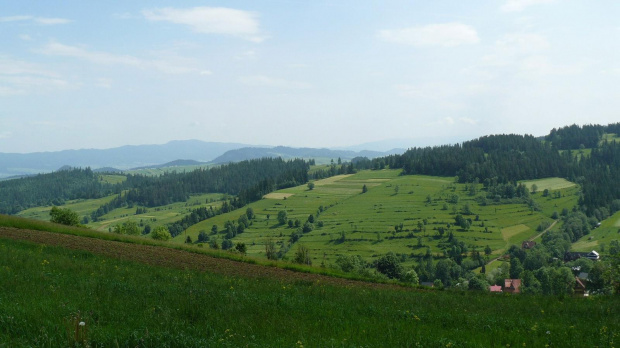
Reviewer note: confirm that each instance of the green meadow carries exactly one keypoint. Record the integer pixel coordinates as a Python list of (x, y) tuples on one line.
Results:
[(83, 207), (154, 217), (422, 204), (55, 297), (599, 238)]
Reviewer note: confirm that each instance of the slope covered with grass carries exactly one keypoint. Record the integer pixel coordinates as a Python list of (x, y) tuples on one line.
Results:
[(46, 292)]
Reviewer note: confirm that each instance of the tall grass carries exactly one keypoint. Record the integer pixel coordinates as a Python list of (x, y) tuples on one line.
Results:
[(45, 291)]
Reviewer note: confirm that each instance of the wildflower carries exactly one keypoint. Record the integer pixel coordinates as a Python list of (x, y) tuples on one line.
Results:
[(82, 323), (548, 332)]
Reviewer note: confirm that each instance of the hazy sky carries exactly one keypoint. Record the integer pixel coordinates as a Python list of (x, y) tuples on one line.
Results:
[(319, 73)]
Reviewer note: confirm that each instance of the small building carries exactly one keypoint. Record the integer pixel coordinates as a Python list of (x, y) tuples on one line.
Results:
[(512, 286), (495, 288), (528, 244), (593, 255), (580, 287), (573, 255)]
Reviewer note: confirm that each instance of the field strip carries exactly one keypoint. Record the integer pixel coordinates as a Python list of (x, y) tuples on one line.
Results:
[(277, 195), (331, 180), (549, 184), (173, 258), (617, 224), (512, 231)]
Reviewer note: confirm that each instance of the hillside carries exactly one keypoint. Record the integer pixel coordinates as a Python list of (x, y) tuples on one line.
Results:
[(76, 291), (356, 223)]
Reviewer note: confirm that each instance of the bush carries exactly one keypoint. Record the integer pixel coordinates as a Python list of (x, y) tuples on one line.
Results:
[(64, 216), (390, 266), (161, 233)]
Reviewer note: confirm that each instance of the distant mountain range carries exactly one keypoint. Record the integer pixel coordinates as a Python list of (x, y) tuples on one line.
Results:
[(174, 153), (320, 155), (124, 157)]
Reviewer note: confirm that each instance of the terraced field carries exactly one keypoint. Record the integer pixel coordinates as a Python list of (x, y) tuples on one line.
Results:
[(422, 204)]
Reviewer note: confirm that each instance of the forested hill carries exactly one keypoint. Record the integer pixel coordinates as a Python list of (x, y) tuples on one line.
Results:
[(248, 180), (509, 158), (576, 137), (505, 158), (290, 153)]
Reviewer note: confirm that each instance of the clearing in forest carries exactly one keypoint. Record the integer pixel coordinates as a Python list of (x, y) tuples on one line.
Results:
[(549, 184)]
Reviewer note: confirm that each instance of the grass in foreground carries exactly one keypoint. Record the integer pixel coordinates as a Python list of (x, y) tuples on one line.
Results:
[(47, 291)]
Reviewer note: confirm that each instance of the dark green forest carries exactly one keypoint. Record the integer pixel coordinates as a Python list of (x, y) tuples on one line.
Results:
[(247, 181), (503, 159)]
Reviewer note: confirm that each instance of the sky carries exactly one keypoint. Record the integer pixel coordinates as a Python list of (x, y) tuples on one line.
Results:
[(321, 73)]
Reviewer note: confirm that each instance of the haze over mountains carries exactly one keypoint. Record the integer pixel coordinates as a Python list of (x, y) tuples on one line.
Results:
[(180, 152)]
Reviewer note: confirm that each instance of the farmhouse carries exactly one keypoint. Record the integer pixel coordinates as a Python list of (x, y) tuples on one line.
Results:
[(528, 244), (593, 255), (512, 286), (495, 288), (580, 287)]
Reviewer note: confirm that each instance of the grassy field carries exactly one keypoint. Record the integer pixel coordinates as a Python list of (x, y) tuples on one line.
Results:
[(367, 220), (113, 179), (600, 237), (83, 207), (550, 184), (158, 216), (610, 137), (155, 216), (47, 292)]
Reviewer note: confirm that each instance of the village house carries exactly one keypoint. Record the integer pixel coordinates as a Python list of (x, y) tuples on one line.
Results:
[(512, 286), (528, 244), (495, 288)]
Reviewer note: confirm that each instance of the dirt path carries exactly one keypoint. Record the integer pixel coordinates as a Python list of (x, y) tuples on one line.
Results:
[(166, 257), (530, 239)]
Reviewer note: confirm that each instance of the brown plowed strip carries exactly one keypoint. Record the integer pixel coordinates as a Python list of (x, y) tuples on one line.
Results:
[(166, 257)]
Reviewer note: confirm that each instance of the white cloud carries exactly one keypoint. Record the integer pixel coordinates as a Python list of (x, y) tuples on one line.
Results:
[(20, 77), (468, 120), (25, 37), (58, 49), (167, 66), (38, 20), (511, 48), (15, 19), (211, 20), (449, 120), (520, 5), (247, 55), (51, 21), (104, 83), (266, 81), (206, 72), (448, 34), (522, 43), (540, 65), (5, 135)]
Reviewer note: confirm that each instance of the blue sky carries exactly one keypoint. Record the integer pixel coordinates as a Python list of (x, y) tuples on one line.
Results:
[(76, 74)]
